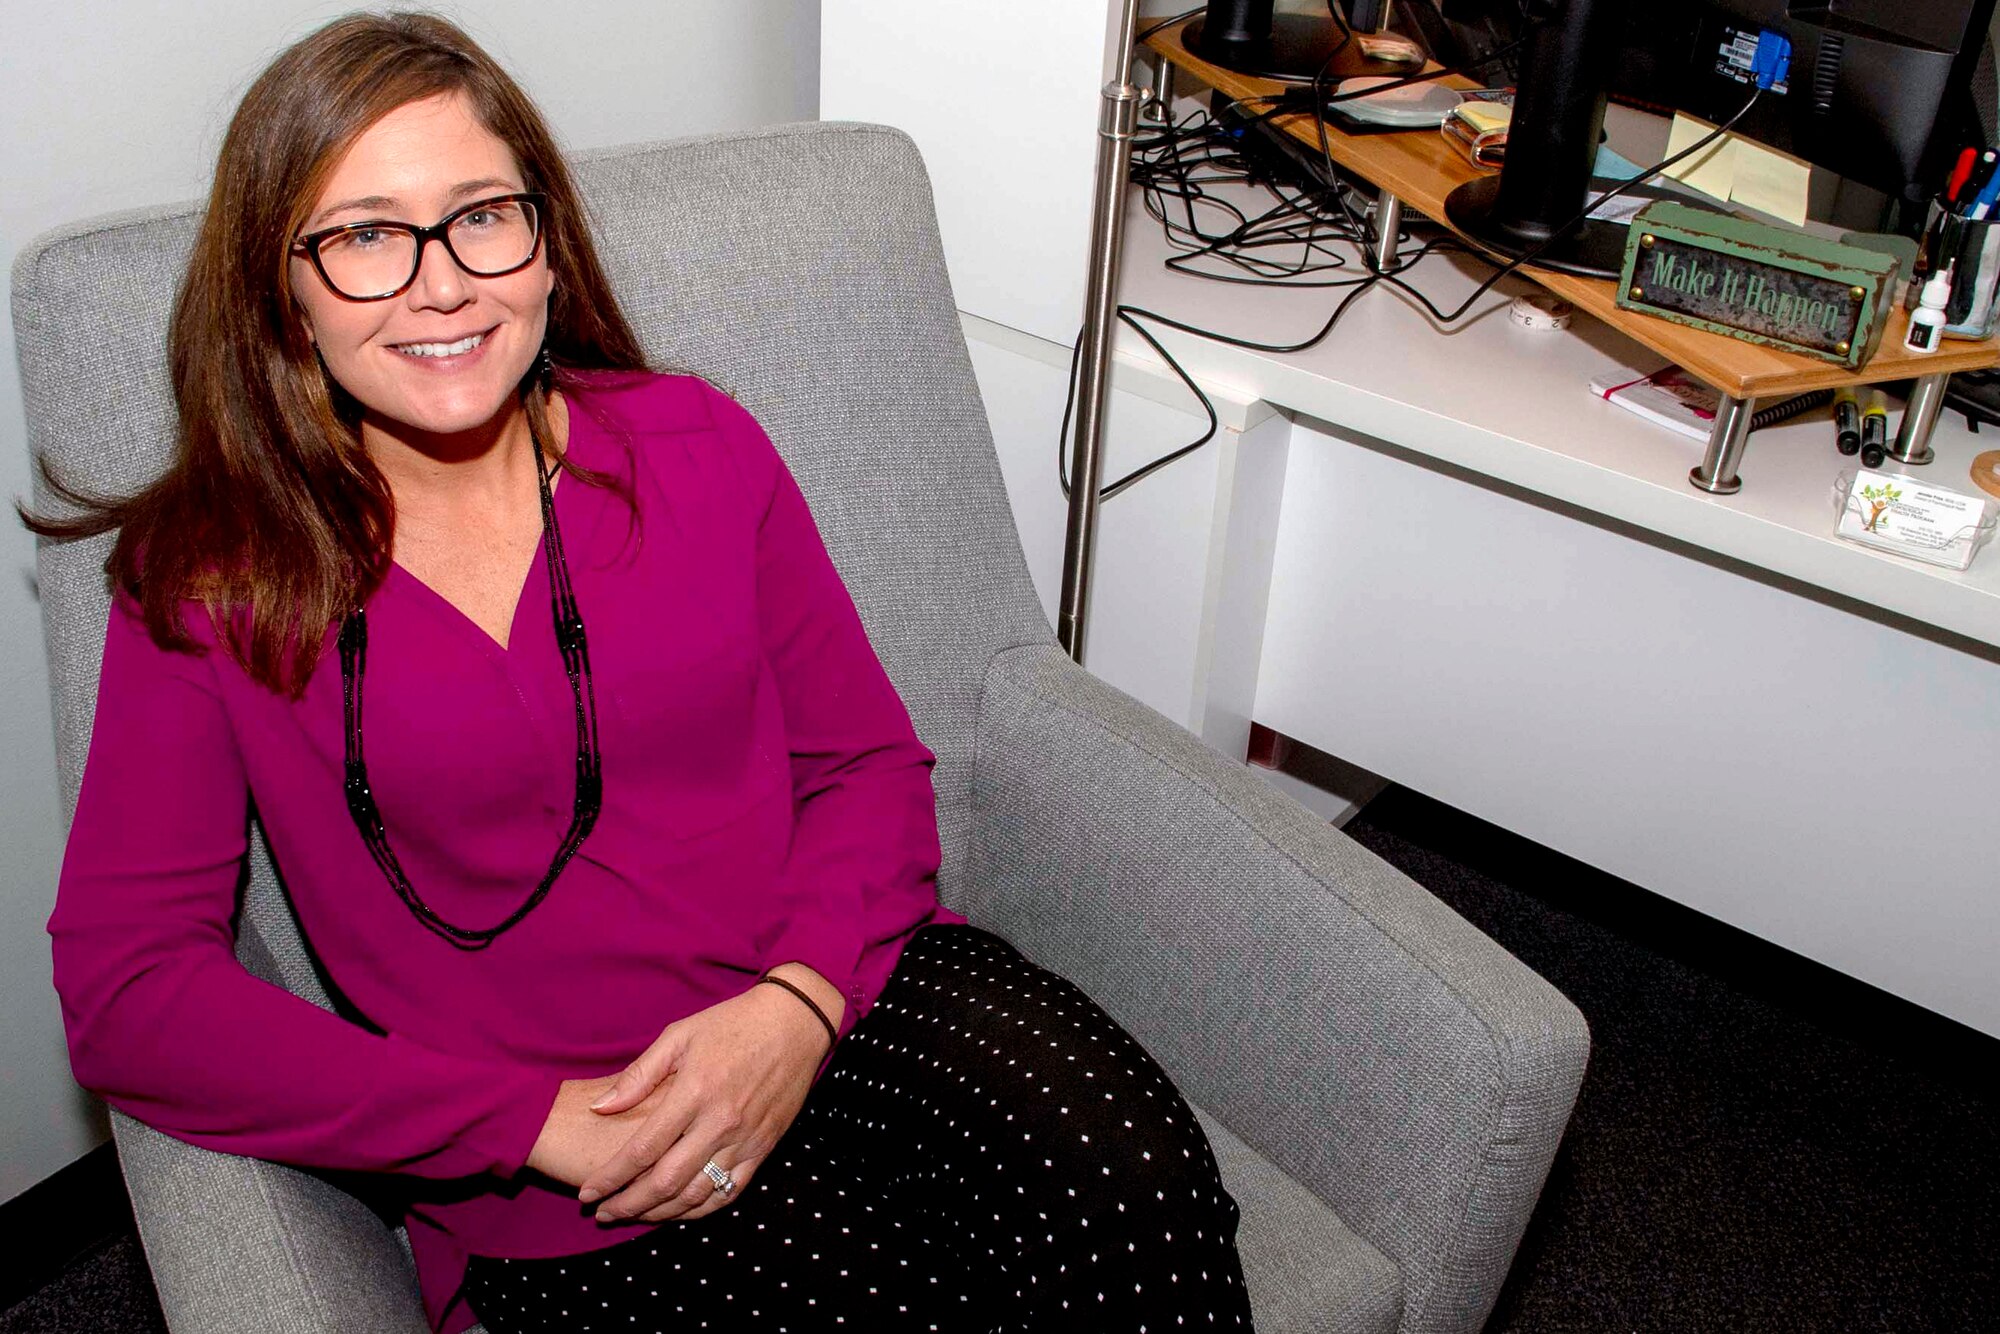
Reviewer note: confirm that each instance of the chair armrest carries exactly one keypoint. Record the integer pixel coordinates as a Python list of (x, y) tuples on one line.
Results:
[(244, 1246), (1323, 1006)]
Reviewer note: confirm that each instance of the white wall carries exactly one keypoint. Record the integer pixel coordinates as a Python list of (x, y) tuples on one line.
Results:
[(990, 94), (1153, 540), (1003, 102), (116, 103)]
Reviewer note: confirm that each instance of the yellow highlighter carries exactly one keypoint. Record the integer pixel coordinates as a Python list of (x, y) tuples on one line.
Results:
[(1875, 429), (1847, 420)]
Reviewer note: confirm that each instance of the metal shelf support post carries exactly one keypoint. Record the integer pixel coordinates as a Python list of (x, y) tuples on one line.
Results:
[(1118, 119), (1388, 226), (1717, 473), (1913, 437)]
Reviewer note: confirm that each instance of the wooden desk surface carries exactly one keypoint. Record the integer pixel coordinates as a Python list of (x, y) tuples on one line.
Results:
[(1421, 169)]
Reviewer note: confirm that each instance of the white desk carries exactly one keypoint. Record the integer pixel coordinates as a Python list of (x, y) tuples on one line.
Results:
[(1550, 629), (1512, 406), (1651, 679)]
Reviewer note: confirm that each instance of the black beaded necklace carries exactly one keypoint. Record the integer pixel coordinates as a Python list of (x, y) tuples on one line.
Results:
[(589, 767)]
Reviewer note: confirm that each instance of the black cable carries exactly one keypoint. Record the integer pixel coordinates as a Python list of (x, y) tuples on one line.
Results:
[(1130, 315), (1340, 20), (1167, 23), (1257, 233), (1332, 10), (1164, 166), (1138, 474), (1276, 225), (1588, 209), (1359, 285), (1173, 175), (1177, 153), (1322, 99)]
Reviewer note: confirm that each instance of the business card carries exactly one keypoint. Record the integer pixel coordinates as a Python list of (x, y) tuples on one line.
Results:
[(1892, 512)]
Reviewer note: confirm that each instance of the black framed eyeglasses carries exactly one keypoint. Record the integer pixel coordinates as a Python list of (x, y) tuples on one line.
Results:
[(373, 261)]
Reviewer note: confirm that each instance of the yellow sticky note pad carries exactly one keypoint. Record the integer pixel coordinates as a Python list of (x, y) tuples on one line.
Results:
[(1770, 182), (1741, 170), (1711, 171), (1484, 116)]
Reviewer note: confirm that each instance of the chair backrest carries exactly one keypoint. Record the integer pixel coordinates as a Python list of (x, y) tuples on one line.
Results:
[(798, 268)]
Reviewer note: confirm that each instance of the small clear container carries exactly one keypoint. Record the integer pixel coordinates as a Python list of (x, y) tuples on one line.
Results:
[(1973, 249), (1954, 551)]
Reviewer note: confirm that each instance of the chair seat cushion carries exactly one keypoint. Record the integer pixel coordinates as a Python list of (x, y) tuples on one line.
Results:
[(1307, 1271)]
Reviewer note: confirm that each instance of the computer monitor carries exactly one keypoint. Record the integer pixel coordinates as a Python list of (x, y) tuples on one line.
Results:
[(1882, 93), (1531, 206), (1879, 92)]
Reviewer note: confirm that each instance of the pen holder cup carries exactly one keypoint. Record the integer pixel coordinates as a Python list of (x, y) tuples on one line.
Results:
[(1973, 248)]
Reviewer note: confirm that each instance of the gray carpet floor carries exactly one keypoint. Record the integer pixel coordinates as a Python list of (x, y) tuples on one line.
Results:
[(1760, 1144), (107, 1291)]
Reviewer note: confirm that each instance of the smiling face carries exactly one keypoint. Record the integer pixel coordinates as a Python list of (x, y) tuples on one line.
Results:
[(441, 362)]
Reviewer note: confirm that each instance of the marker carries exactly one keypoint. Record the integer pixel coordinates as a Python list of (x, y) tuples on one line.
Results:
[(1988, 193), (1961, 172), (1847, 420), (1875, 429), (1982, 175)]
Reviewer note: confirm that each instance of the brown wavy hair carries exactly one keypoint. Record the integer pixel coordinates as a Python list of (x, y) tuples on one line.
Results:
[(272, 515)]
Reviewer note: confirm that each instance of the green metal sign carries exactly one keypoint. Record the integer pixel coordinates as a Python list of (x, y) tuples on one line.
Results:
[(1761, 283)]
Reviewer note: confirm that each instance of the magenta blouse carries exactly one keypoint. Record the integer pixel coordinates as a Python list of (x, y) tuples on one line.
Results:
[(765, 800)]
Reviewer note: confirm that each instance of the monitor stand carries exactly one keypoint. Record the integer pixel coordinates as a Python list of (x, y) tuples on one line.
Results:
[(1591, 249), (1297, 48), (1551, 146)]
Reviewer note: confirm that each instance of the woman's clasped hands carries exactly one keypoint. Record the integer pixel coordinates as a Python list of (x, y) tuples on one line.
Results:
[(722, 1085)]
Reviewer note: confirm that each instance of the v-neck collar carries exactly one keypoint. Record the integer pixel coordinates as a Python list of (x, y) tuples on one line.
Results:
[(577, 515)]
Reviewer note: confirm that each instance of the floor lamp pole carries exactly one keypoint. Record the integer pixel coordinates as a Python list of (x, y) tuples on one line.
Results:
[(1118, 119)]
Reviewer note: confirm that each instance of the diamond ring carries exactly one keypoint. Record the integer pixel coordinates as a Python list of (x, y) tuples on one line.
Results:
[(723, 1181)]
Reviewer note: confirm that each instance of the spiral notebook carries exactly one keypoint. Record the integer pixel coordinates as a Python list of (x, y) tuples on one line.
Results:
[(1668, 396)]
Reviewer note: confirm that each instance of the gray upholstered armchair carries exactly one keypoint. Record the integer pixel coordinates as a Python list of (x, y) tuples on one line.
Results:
[(1385, 1086)]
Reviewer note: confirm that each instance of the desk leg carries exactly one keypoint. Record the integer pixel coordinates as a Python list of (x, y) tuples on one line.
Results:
[(1913, 437), (1388, 226), (1717, 473), (1236, 583)]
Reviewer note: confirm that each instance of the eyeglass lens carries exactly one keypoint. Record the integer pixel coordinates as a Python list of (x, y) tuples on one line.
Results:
[(488, 240)]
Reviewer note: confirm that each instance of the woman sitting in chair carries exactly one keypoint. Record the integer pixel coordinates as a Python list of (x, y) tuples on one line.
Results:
[(608, 829)]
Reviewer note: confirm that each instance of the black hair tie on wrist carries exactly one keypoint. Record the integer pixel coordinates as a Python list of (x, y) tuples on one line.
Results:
[(832, 1034)]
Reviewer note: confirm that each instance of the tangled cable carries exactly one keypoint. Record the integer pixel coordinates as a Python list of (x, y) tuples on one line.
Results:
[(1288, 244)]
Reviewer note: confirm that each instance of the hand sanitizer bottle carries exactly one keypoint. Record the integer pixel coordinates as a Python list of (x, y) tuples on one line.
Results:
[(1927, 320)]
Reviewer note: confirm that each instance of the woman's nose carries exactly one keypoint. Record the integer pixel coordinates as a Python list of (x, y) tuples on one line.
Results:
[(440, 282)]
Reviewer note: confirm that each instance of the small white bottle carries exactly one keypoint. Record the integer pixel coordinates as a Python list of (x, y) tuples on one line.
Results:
[(1928, 319)]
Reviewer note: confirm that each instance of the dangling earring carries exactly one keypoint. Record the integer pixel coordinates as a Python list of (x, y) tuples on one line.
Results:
[(546, 364)]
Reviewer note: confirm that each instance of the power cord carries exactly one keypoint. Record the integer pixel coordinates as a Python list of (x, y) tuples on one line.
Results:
[(1315, 96), (1171, 167), (1164, 171), (1236, 246), (1164, 24), (1770, 62), (1557, 234)]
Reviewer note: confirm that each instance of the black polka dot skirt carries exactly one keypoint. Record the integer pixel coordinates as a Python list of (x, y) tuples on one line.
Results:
[(988, 1150)]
